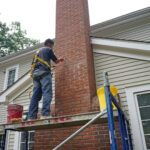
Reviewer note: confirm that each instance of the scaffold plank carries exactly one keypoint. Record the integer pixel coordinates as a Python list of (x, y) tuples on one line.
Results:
[(56, 122)]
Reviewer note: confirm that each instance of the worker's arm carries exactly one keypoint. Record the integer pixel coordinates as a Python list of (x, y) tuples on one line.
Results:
[(54, 58)]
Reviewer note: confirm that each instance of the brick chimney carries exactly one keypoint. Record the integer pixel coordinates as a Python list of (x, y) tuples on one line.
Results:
[(74, 78)]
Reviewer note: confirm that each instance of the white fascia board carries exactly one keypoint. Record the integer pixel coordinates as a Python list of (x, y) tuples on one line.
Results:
[(18, 56), (3, 97), (122, 54), (122, 44)]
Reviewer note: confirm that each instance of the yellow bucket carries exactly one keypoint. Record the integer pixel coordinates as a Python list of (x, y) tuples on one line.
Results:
[(101, 96)]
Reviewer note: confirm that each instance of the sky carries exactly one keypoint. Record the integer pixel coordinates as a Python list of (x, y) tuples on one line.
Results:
[(37, 17)]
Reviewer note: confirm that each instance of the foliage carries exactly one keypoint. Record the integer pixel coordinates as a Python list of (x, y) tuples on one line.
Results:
[(13, 39)]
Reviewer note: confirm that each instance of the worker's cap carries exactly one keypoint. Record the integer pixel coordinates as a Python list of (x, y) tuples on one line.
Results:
[(49, 41)]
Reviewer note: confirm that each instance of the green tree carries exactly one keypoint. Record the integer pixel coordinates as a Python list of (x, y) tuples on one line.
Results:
[(13, 39)]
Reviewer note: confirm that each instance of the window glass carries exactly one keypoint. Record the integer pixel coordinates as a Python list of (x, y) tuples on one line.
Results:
[(145, 113), (146, 127), (30, 140), (32, 136), (11, 77), (23, 137), (143, 99), (147, 138), (31, 146), (22, 147), (144, 109)]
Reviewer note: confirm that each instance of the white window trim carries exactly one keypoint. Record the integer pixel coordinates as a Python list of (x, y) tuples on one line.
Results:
[(17, 138), (7, 72), (138, 136)]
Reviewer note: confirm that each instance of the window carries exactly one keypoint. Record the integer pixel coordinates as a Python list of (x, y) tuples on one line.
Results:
[(11, 76), (30, 140), (143, 100), (1, 141), (138, 100)]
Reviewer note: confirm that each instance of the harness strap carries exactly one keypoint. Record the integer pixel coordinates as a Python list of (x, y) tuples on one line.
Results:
[(35, 62), (43, 61)]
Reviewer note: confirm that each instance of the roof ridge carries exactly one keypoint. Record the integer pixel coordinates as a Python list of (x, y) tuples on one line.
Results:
[(121, 18)]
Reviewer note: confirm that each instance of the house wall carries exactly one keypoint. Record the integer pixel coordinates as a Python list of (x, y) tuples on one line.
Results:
[(76, 77), (24, 66), (3, 114), (23, 98), (2, 77), (123, 72), (95, 137), (139, 33)]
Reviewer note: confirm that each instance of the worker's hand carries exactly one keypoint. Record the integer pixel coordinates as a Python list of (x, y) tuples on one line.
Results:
[(61, 59)]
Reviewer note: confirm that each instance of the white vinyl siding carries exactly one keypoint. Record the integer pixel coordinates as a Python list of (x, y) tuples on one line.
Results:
[(139, 33), (123, 72), (3, 114), (11, 140), (23, 98), (25, 66), (2, 78)]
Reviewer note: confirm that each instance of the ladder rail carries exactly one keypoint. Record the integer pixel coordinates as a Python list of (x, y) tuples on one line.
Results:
[(110, 118), (125, 133), (121, 130), (118, 107), (123, 121)]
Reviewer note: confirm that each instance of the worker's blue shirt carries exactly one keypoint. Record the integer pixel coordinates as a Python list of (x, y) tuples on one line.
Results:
[(46, 54)]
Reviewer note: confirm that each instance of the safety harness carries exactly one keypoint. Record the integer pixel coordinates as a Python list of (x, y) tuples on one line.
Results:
[(36, 58)]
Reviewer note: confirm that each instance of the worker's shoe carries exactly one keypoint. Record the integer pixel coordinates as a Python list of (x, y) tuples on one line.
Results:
[(45, 117)]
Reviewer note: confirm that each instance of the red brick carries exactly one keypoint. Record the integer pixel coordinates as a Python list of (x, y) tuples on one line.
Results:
[(75, 79), (90, 138)]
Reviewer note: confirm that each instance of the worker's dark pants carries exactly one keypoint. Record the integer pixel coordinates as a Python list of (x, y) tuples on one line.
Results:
[(42, 86)]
